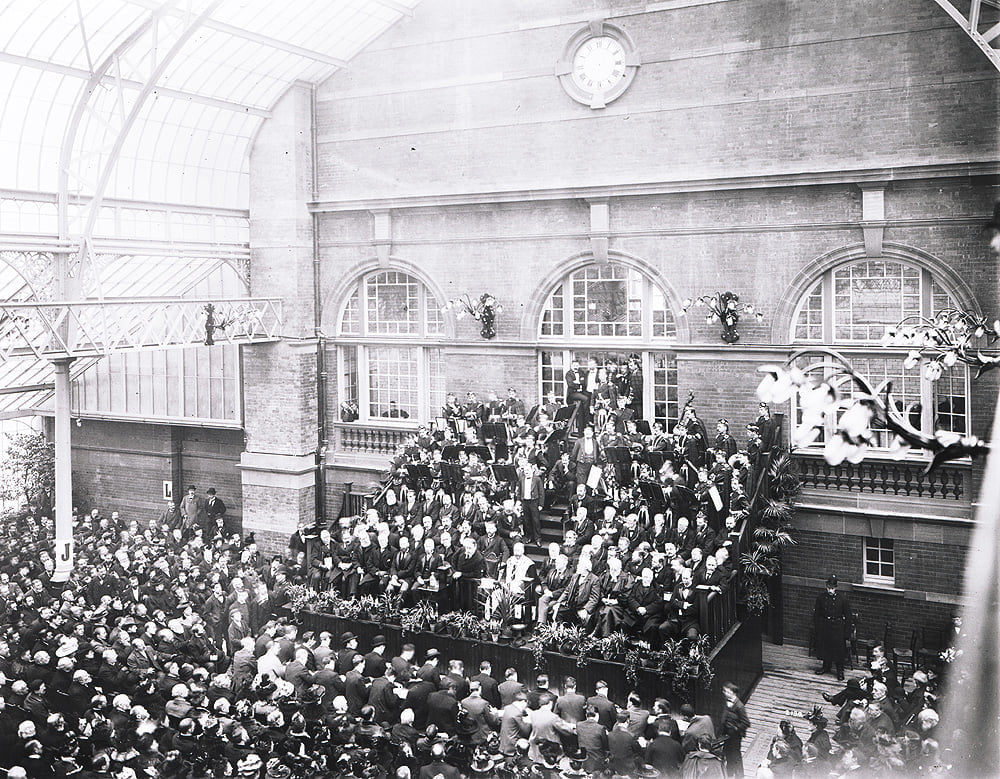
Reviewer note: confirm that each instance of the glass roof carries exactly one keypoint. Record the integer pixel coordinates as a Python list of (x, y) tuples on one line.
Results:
[(191, 138), (187, 148)]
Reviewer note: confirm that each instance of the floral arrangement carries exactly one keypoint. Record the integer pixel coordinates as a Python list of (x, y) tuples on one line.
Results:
[(422, 617), (949, 337), (681, 662), (484, 310), (854, 414), (723, 307), (349, 411)]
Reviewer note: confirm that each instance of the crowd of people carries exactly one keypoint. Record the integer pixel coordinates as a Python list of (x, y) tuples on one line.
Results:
[(647, 517), (879, 729), (168, 653)]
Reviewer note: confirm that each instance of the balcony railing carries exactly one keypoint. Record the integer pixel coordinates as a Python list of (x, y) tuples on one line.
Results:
[(369, 441), (885, 477)]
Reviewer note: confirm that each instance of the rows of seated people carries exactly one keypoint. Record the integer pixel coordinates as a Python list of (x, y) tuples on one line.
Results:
[(635, 544)]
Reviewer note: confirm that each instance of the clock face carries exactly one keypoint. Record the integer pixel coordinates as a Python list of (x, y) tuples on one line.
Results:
[(599, 64)]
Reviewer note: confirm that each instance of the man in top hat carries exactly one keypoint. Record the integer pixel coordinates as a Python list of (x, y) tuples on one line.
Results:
[(831, 619), (192, 510)]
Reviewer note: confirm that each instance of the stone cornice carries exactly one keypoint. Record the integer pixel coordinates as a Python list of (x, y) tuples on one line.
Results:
[(960, 170)]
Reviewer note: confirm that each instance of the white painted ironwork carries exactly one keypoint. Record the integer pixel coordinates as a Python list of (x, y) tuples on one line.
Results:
[(973, 24), (52, 331)]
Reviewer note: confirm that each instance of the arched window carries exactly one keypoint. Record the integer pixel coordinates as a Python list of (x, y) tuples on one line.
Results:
[(611, 313), (396, 374), (852, 306)]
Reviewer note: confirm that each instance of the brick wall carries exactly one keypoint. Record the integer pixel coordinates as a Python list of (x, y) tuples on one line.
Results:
[(119, 466), (461, 98), (835, 88), (928, 581)]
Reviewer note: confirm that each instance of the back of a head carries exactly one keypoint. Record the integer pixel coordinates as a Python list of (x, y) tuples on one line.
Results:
[(687, 711)]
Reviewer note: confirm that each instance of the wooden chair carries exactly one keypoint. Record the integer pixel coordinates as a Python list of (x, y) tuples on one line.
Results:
[(932, 643), (861, 646), (904, 656)]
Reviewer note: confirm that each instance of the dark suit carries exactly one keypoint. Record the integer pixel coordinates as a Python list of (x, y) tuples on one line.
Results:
[(530, 502), (489, 688), (356, 692), (442, 711), (582, 592), (831, 619), (593, 737), (374, 665), (607, 712), (572, 707), (623, 752), (665, 755)]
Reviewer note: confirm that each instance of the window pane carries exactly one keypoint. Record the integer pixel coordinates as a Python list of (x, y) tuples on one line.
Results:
[(607, 301), (435, 318), (552, 317), (940, 299), (809, 325), (552, 375), (392, 377), (905, 389), (665, 389), (350, 323), (871, 296), (393, 304), (949, 401), (663, 318), (436, 379), (349, 384)]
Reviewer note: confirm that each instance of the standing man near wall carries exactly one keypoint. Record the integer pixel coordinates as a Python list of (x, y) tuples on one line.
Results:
[(192, 510), (215, 511), (831, 618)]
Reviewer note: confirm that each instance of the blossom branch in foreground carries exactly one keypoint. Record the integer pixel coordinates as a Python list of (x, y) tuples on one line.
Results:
[(855, 416)]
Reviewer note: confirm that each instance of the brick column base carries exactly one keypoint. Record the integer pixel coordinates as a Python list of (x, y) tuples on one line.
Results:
[(279, 491)]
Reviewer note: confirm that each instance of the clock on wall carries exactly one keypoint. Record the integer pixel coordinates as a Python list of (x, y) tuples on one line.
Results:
[(598, 64)]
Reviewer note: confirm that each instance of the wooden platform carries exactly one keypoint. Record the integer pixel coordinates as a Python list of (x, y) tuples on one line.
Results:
[(789, 685)]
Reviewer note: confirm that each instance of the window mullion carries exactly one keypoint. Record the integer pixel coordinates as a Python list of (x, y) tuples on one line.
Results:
[(423, 384), (364, 398), (828, 303), (568, 302), (926, 401)]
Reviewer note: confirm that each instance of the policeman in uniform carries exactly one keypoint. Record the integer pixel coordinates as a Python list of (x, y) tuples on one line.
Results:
[(831, 620)]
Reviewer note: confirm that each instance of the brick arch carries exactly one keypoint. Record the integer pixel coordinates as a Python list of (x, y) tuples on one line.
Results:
[(806, 278), (336, 298), (532, 313)]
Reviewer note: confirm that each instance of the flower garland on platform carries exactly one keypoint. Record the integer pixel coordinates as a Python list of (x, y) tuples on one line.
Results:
[(682, 662), (484, 310)]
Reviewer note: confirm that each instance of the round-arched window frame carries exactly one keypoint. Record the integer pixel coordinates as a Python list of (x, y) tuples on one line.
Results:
[(611, 313), (390, 367), (852, 306)]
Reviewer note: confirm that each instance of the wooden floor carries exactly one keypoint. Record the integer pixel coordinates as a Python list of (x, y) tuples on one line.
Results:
[(788, 688)]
